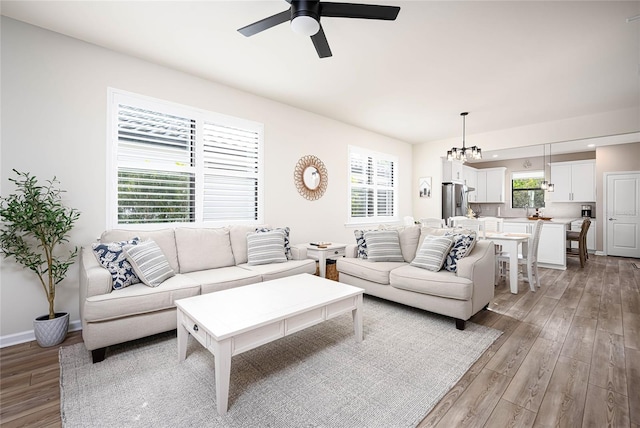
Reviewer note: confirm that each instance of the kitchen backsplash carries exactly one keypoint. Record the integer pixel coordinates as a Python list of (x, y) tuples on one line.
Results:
[(557, 209)]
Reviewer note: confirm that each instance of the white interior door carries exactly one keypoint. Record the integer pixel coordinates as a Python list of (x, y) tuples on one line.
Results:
[(623, 215)]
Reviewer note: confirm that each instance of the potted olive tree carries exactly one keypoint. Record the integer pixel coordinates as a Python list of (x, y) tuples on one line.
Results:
[(34, 223)]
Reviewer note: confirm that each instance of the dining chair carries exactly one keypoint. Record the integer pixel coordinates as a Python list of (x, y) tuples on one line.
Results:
[(581, 238), (453, 221), (492, 224), (471, 224), (530, 259), (433, 222)]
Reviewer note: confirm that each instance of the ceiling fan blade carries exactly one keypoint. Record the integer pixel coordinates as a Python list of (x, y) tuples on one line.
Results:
[(321, 44), (265, 24), (353, 10)]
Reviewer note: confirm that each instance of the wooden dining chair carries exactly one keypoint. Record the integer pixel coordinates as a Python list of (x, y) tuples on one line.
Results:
[(530, 260), (581, 238)]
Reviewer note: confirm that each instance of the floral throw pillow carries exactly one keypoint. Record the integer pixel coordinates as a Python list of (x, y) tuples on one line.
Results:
[(463, 243), (361, 242), (113, 258)]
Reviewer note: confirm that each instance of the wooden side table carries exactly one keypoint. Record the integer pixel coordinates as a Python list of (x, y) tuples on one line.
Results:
[(332, 251)]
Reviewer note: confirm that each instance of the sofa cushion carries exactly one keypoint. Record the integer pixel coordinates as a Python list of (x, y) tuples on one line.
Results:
[(149, 263), (432, 253), (218, 279), (112, 257), (265, 248), (367, 270), (463, 244), (280, 270), (139, 299), (383, 246), (203, 248), (238, 235), (165, 238), (441, 284), (409, 238)]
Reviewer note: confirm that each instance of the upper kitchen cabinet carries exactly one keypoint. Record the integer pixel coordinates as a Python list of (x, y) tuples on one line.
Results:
[(573, 181), (490, 185), (470, 177), (452, 171)]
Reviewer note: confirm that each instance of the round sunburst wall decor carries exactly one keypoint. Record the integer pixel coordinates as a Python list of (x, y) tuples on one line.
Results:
[(311, 177)]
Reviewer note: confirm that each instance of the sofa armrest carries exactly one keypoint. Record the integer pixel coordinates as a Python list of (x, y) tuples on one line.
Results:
[(94, 279), (351, 251), (479, 267), (299, 251), (479, 256)]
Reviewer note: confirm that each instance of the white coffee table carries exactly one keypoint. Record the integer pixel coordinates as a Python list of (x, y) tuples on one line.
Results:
[(233, 321)]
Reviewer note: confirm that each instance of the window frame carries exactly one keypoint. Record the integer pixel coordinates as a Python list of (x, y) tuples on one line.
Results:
[(116, 97), (523, 175), (375, 219)]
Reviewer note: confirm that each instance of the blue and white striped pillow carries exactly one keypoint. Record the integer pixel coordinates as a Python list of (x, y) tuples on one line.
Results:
[(383, 246), (149, 262), (266, 247), (432, 253)]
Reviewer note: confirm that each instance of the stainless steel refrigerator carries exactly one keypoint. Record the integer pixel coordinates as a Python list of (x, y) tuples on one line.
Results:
[(454, 200)]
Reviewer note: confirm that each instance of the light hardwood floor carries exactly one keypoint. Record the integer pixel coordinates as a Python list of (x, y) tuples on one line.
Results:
[(569, 356)]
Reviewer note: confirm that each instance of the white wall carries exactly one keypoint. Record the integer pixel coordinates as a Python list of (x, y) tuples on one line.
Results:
[(54, 112)]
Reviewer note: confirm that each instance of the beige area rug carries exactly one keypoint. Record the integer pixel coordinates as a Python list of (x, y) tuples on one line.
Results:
[(318, 377)]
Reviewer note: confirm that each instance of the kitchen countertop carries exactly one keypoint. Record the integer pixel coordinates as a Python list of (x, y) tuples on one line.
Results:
[(558, 220)]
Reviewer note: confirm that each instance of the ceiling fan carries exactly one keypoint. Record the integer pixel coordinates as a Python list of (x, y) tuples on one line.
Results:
[(305, 19)]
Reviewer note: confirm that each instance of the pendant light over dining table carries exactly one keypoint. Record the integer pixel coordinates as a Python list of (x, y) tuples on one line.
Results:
[(546, 185), (463, 153)]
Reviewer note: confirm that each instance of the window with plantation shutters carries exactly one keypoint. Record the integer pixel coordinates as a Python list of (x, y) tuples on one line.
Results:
[(372, 186), (175, 164)]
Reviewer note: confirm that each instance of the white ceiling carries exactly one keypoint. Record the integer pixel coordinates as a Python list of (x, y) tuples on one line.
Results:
[(509, 64)]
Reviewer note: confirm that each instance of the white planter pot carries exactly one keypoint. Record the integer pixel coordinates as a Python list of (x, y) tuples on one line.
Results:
[(51, 332)]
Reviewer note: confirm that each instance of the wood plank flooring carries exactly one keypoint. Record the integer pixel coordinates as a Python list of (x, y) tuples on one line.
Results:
[(569, 357)]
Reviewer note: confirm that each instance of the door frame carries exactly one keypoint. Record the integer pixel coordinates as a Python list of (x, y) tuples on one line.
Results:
[(604, 221)]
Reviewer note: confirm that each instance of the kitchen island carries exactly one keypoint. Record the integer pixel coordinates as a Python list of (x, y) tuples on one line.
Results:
[(552, 245)]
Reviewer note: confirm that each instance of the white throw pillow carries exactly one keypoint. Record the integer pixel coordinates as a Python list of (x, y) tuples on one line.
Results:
[(149, 263), (383, 246), (266, 247), (432, 253)]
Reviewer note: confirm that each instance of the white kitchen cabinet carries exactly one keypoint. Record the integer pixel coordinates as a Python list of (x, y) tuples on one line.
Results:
[(573, 181), (515, 227), (552, 244), (552, 247), (452, 171), (470, 176), (490, 185), (591, 234)]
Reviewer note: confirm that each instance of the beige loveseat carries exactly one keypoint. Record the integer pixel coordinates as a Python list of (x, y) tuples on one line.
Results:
[(456, 294), (204, 260)]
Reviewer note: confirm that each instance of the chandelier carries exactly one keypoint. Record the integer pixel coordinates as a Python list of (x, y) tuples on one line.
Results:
[(462, 154), (546, 185)]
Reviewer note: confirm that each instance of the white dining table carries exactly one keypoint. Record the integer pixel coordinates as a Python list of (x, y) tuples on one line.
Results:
[(510, 243)]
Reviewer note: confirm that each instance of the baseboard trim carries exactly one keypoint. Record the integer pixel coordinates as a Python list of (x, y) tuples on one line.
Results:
[(29, 336)]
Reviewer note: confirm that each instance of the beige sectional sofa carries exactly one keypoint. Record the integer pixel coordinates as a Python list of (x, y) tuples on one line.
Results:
[(456, 294), (204, 260)]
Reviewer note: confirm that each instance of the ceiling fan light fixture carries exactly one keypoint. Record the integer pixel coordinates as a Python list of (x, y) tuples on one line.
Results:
[(305, 25)]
